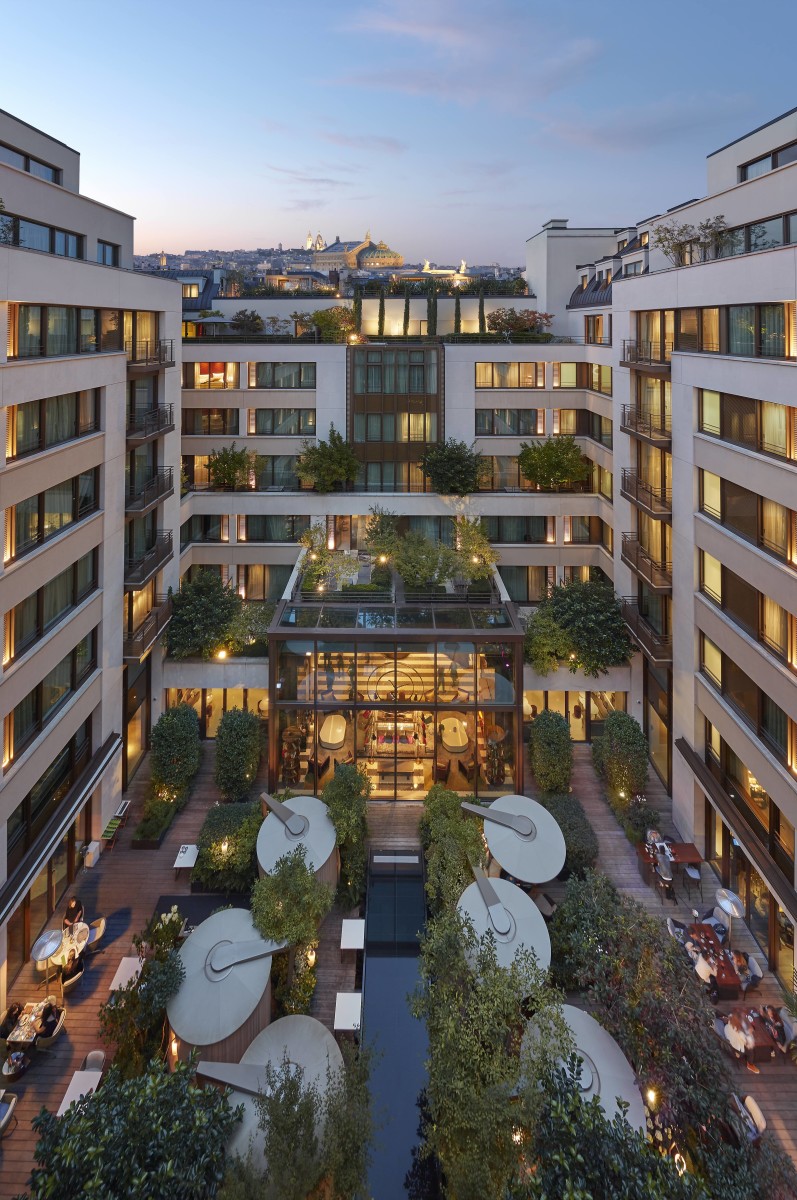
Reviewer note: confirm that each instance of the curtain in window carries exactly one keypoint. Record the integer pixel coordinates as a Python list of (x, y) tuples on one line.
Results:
[(147, 328), (775, 527), (23, 625), (513, 529), (86, 497), (26, 524), (775, 625), (775, 724), (286, 421), (29, 335), (61, 330), (431, 372), (85, 574), (84, 656), (26, 719), (374, 377), (24, 433), (57, 597), (285, 470), (87, 411), (567, 420), (57, 508), (287, 375), (505, 374), (59, 418), (56, 685), (774, 435), (428, 526), (773, 330), (516, 582), (484, 375), (741, 329)]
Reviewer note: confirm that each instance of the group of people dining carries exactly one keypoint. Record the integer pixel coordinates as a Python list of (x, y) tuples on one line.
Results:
[(738, 1029)]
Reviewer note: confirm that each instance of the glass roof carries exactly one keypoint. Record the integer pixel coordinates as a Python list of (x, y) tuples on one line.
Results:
[(384, 616)]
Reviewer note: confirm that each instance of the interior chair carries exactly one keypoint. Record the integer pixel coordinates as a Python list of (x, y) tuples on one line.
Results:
[(716, 918), (756, 975), (8, 1102), (442, 770), (42, 1042), (759, 1120), (69, 984), (691, 875), (94, 1061), (96, 934)]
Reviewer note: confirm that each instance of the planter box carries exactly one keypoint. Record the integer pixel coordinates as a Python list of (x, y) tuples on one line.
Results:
[(150, 843)]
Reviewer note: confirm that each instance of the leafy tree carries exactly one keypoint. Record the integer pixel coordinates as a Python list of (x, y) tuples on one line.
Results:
[(422, 563), (229, 469), (457, 315), (482, 322), (380, 321), (474, 1012), (246, 320), (334, 324), (289, 904), (381, 532), (452, 843), (620, 754), (243, 1179), (326, 465), (174, 757), (346, 796), (683, 243), (553, 464), (231, 867), (6, 227), (237, 753), (431, 312), (573, 1149), (545, 644), (406, 325), (453, 468), (590, 615), (476, 557), (250, 626), (551, 751), (357, 308), (155, 1134), (324, 567), (134, 1021), (348, 1124), (524, 320), (288, 1114), (203, 612)]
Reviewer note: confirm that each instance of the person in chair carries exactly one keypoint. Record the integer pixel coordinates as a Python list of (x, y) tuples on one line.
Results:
[(47, 1022), (73, 914)]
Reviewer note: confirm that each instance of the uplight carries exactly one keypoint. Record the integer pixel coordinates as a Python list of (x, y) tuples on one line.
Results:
[(650, 1096), (221, 654)]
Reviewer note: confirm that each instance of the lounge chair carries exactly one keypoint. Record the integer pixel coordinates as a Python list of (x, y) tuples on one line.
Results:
[(789, 1024), (96, 934), (94, 1061), (69, 984)]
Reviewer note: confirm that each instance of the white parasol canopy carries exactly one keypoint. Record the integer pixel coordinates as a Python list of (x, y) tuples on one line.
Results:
[(227, 968), (527, 927), (306, 1043), (605, 1071), (731, 904), (529, 844), (313, 829)]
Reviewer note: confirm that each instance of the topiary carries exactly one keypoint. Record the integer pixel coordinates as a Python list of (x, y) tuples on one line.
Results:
[(174, 757), (551, 751), (620, 754), (237, 753)]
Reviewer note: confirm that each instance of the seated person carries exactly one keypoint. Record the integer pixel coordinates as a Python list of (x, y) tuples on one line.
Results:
[(775, 1027), (73, 967), (10, 1020), (692, 950), (74, 912), (742, 967), (739, 1033), (45, 1026)]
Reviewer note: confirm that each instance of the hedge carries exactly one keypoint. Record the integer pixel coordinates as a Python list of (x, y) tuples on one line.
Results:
[(580, 839), (174, 758), (237, 753), (236, 869), (620, 754), (551, 751)]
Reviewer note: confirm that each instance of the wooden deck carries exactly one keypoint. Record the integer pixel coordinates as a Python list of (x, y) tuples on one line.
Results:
[(775, 1088)]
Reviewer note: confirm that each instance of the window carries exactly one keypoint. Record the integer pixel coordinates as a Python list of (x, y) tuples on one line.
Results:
[(32, 618), (39, 424), (40, 705), (108, 254), (282, 375), (31, 235), (42, 517), (621, 245), (759, 167), (757, 424), (510, 375), (209, 421), (600, 379), (211, 375), (190, 291), (39, 331), (24, 162), (271, 528), (534, 530), (644, 238), (395, 372), (510, 422), (204, 528), (633, 268), (31, 815), (276, 471), (565, 375), (282, 422), (711, 576)]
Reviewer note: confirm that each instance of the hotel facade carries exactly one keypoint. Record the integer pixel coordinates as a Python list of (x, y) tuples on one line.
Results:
[(677, 382)]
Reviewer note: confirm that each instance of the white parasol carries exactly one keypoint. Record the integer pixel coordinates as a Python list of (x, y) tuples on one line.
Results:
[(523, 837), (513, 919), (304, 821)]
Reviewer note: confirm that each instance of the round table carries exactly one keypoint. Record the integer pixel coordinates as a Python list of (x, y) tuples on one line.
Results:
[(75, 939)]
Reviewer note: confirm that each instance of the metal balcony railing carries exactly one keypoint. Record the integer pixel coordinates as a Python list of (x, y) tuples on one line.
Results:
[(137, 643), (655, 500), (657, 574), (657, 646), (649, 354), (142, 425), (156, 352), (651, 426), (157, 488), (139, 570)]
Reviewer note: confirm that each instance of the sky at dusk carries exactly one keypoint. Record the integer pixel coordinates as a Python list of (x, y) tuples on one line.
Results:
[(449, 128)]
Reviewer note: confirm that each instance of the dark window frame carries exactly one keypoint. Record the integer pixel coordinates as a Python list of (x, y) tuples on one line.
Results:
[(43, 628), (77, 679), (77, 515), (81, 431)]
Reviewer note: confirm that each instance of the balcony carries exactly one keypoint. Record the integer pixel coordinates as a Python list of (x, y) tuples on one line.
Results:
[(137, 643), (652, 357), (657, 646), (651, 427), (143, 498), (139, 570), (144, 426), (655, 501), (657, 574), (149, 355)]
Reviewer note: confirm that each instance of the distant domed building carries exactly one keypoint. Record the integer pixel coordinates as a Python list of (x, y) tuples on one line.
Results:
[(379, 255), (343, 255)]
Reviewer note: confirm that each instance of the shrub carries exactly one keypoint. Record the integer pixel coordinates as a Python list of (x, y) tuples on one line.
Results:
[(174, 757), (229, 469), (233, 869), (156, 818), (381, 531), (452, 841), (237, 753), (551, 751), (346, 796), (620, 754), (382, 577), (634, 814), (203, 613), (246, 320), (453, 468), (523, 320), (289, 904), (589, 613), (545, 644), (580, 839)]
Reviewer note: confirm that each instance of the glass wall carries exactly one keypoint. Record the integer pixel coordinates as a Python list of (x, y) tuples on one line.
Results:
[(410, 712)]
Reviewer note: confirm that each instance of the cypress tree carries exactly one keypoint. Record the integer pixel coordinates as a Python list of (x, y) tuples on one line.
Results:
[(482, 321), (358, 309), (380, 328), (457, 315), (406, 312), (431, 312)]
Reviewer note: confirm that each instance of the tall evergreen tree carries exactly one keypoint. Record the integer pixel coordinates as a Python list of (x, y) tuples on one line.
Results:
[(406, 312), (380, 328), (482, 322), (358, 309), (457, 315)]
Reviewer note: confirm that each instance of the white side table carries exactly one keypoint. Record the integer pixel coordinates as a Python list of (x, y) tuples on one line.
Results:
[(348, 1010)]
